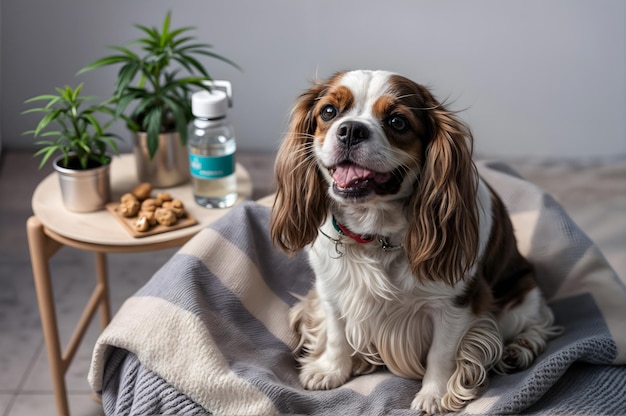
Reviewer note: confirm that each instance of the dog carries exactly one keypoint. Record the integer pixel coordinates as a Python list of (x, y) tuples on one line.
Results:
[(415, 259)]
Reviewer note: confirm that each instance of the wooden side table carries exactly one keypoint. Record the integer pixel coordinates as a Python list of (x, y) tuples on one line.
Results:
[(52, 227)]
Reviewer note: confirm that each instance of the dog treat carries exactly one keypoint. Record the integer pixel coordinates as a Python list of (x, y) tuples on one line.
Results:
[(149, 216), (142, 191), (128, 196), (175, 205), (149, 204), (142, 224), (163, 197), (165, 216), (129, 207)]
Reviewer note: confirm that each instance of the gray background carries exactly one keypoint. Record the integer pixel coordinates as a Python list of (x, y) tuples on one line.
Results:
[(534, 77)]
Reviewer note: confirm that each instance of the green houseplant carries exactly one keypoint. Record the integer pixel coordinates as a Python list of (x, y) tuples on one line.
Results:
[(80, 142), (159, 80)]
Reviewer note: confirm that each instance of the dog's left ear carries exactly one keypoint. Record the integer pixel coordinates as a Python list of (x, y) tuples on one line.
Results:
[(442, 240)]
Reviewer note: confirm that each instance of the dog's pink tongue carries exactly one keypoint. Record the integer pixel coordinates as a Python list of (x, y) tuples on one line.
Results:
[(346, 175)]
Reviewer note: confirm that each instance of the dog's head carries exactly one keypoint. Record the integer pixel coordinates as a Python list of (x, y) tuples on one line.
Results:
[(372, 137)]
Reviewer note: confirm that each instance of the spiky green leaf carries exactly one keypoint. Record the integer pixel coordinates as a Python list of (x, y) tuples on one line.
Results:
[(153, 129)]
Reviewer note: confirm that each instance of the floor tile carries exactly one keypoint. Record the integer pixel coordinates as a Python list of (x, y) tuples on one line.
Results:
[(20, 331), (44, 404), (39, 380), (19, 350)]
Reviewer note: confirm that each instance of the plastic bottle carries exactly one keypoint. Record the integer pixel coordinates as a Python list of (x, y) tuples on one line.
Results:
[(211, 146)]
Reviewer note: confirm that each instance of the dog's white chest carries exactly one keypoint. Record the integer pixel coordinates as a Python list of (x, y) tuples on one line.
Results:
[(379, 302)]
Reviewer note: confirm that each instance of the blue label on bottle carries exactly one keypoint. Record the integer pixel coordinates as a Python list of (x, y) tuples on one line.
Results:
[(211, 167)]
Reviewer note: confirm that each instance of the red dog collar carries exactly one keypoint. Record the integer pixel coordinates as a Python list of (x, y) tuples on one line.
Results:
[(342, 229)]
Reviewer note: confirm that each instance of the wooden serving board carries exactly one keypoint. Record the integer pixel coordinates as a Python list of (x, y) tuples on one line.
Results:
[(129, 222)]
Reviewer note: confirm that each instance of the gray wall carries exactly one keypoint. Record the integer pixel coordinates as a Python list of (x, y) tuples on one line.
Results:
[(536, 77)]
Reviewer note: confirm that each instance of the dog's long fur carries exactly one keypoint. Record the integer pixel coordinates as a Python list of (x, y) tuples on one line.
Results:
[(371, 155)]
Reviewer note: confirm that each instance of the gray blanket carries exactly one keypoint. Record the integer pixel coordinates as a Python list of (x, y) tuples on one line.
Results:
[(208, 333)]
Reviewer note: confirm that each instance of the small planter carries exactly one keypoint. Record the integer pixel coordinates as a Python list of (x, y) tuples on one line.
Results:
[(84, 190), (170, 165)]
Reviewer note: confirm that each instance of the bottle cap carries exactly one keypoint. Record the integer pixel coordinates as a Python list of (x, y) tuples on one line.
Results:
[(205, 104), (214, 103)]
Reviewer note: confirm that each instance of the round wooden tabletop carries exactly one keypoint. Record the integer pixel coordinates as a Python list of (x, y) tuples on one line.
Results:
[(103, 230)]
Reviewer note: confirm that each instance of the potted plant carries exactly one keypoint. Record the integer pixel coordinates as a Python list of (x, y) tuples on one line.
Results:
[(80, 143), (159, 81)]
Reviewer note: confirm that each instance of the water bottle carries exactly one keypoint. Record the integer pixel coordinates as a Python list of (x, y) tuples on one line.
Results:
[(211, 146)]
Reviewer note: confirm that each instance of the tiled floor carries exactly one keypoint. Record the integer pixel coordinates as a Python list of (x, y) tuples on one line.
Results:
[(25, 386), (595, 196)]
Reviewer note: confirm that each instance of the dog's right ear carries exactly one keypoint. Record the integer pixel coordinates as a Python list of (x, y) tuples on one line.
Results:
[(301, 203)]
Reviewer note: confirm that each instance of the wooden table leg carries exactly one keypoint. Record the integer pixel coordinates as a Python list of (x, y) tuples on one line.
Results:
[(103, 282), (41, 249)]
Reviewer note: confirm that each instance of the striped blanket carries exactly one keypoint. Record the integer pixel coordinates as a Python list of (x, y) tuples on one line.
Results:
[(208, 333)]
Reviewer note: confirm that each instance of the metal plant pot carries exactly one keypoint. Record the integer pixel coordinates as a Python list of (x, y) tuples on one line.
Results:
[(84, 190), (170, 165)]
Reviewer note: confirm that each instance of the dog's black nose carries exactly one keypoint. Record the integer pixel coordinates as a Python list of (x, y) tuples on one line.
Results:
[(352, 132)]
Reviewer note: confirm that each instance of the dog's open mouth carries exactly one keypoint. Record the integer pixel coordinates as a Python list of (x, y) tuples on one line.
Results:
[(354, 181)]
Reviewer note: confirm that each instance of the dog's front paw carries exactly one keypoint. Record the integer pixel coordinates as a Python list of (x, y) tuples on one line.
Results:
[(324, 374), (428, 402)]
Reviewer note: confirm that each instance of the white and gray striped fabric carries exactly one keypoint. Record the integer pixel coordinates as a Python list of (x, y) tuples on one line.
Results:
[(208, 333)]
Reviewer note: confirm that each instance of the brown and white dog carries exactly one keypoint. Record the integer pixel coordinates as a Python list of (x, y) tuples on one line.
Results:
[(416, 263)]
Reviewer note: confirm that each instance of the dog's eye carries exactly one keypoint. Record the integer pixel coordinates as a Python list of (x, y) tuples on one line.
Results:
[(328, 112), (398, 123)]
